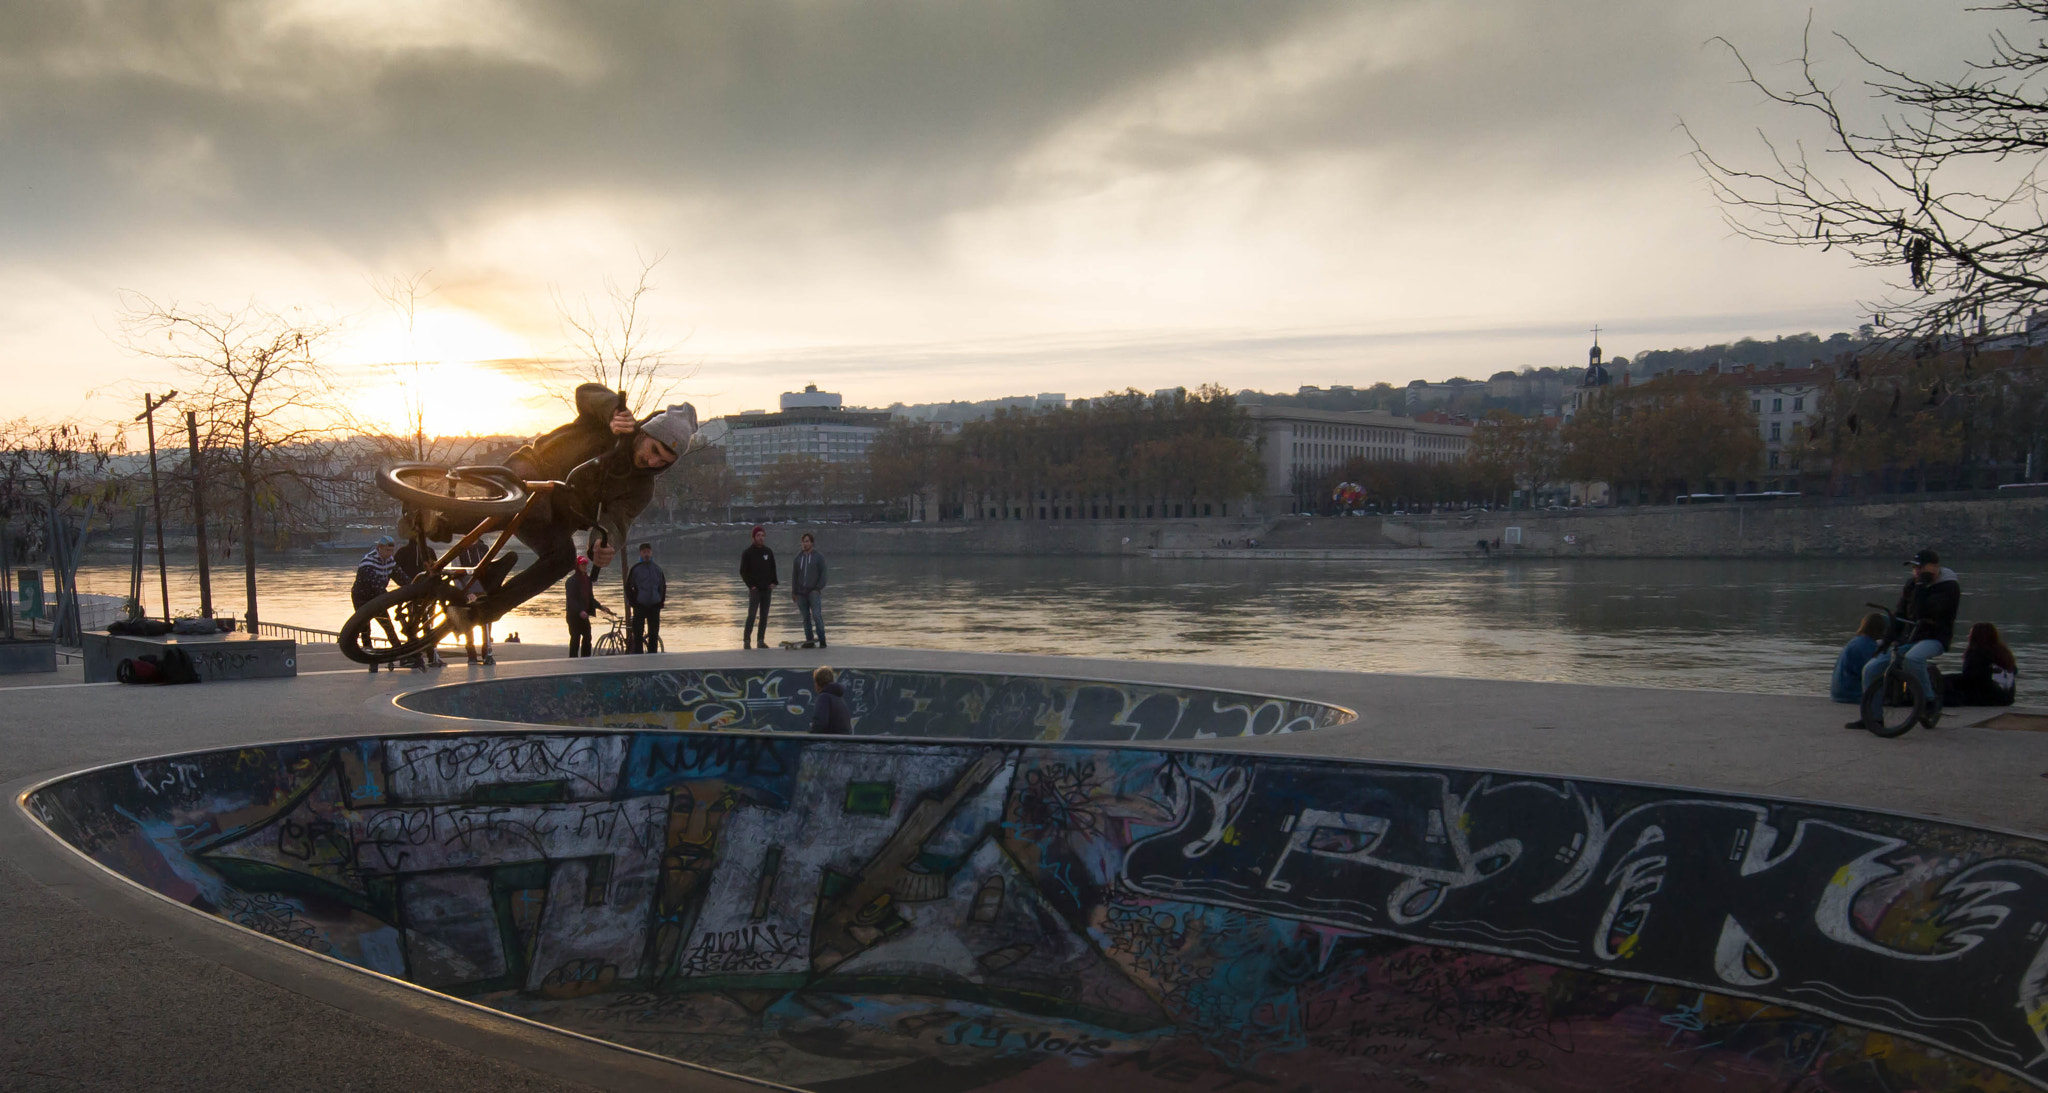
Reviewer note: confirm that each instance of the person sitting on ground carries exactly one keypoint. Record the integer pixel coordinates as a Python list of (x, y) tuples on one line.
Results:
[(1929, 602), (1848, 681), (830, 716), (1990, 674), (614, 460)]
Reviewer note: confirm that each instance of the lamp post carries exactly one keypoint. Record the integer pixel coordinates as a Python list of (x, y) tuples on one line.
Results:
[(199, 515), (163, 575)]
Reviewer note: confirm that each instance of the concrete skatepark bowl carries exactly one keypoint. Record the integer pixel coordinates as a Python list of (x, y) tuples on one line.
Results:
[(1022, 911)]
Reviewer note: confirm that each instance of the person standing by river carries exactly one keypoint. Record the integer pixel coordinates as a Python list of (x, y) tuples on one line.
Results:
[(646, 592), (582, 605), (807, 587), (757, 569)]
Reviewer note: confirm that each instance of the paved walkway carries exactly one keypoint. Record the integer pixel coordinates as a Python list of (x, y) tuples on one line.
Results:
[(105, 987)]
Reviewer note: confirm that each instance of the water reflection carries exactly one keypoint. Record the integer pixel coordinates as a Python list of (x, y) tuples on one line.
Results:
[(1749, 625)]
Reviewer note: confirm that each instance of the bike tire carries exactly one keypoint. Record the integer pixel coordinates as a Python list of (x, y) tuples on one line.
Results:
[(1884, 717), (476, 492), (610, 645), (417, 613)]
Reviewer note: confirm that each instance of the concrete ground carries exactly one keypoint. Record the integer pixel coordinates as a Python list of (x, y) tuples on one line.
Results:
[(103, 986)]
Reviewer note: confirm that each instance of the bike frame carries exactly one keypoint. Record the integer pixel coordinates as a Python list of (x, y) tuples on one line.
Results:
[(443, 565)]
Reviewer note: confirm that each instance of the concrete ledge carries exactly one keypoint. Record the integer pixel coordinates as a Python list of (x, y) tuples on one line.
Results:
[(218, 657)]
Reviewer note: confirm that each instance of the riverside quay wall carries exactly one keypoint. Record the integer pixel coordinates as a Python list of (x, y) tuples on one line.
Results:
[(1976, 526), (1994, 527)]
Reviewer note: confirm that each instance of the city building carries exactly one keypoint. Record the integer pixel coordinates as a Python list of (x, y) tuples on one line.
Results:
[(1784, 401), (810, 423), (1300, 447)]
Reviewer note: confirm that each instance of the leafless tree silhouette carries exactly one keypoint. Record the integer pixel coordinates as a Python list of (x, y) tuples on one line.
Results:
[(1942, 188)]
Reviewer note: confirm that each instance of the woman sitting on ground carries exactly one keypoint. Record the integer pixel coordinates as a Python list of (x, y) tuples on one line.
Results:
[(1848, 684), (1990, 675)]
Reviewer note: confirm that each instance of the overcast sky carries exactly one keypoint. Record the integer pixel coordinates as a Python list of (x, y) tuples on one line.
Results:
[(909, 201)]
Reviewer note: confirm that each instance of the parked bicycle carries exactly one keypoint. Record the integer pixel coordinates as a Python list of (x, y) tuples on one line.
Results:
[(1895, 701)]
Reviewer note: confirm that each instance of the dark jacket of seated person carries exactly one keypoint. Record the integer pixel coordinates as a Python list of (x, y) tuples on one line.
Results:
[(830, 715), (1990, 675)]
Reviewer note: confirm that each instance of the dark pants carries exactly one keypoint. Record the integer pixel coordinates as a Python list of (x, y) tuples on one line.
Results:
[(811, 605), (643, 629), (554, 555), (757, 608), (579, 636), (382, 620)]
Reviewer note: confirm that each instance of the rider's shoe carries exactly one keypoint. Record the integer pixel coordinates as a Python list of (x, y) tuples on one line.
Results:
[(1856, 724), (494, 574)]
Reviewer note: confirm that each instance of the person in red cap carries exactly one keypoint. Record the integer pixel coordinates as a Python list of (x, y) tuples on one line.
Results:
[(757, 569), (582, 605)]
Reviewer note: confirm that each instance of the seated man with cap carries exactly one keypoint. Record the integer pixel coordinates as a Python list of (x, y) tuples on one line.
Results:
[(607, 461), (1929, 600)]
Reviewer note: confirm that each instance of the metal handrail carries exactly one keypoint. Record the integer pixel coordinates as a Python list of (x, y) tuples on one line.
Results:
[(299, 633)]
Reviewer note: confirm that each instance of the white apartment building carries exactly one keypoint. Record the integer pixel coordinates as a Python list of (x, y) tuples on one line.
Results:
[(1299, 447), (810, 423)]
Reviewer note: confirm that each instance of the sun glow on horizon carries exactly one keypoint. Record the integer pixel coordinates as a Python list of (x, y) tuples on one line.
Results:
[(441, 375)]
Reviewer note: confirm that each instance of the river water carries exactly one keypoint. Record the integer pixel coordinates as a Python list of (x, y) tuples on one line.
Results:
[(1747, 625)]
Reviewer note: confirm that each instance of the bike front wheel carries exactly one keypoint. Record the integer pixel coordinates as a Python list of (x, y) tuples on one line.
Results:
[(610, 645), (400, 623), (476, 492), (1894, 703)]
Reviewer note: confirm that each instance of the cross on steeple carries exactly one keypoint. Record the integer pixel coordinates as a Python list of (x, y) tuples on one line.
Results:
[(1596, 333)]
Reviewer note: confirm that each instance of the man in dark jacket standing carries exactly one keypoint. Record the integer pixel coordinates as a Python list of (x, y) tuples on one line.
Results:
[(582, 605), (646, 591), (1930, 600), (829, 713), (757, 569), (807, 586)]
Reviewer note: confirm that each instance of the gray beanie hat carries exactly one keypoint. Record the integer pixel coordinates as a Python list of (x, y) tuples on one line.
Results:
[(673, 426)]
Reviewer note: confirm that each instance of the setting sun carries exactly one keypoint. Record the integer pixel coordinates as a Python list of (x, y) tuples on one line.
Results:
[(450, 366)]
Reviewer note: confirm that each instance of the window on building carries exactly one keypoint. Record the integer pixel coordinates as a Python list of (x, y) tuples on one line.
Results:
[(1799, 402), (1041, 512), (1774, 430), (1756, 406), (1120, 512), (1148, 512), (1777, 406), (1205, 510), (1176, 511), (1774, 461)]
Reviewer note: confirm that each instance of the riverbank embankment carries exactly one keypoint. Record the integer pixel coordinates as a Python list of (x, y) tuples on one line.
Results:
[(1977, 527)]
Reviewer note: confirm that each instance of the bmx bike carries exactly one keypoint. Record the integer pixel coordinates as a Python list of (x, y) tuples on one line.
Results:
[(412, 619), (1894, 702)]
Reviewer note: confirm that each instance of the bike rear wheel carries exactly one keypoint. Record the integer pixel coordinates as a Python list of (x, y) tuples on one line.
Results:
[(477, 492), (400, 623), (1894, 703)]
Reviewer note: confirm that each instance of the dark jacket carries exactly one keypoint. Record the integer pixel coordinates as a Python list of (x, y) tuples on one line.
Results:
[(807, 573), (373, 576), (1932, 607), (647, 576), (1984, 681), (615, 484), (829, 712), (582, 595), (757, 566)]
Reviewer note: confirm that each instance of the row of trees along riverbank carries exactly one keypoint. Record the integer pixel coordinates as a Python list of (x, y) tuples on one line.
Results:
[(1125, 453)]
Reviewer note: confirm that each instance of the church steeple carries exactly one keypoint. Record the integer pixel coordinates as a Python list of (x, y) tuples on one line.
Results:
[(1596, 373)]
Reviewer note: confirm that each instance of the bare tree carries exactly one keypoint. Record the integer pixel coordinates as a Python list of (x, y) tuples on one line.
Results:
[(614, 343), (266, 406), (1941, 188), (411, 379)]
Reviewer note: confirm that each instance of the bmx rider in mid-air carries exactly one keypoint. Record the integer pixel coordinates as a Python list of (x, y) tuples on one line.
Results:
[(604, 496)]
